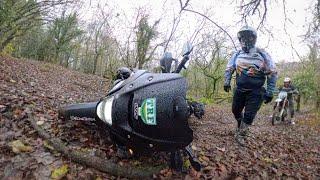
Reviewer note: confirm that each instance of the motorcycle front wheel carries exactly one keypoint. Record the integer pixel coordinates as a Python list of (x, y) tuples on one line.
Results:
[(284, 114), (275, 114)]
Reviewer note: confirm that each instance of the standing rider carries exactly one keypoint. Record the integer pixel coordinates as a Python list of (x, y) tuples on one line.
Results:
[(290, 89), (253, 66)]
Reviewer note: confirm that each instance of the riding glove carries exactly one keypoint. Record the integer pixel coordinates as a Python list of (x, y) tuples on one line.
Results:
[(267, 98), (227, 88)]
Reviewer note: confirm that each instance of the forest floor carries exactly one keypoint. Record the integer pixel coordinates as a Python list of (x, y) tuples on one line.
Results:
[(36, 89)]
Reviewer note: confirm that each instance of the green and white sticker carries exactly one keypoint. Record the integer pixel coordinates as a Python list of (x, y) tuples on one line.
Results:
[(148, 111)]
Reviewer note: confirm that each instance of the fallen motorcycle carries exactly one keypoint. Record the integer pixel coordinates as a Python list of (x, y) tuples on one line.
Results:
[(146, 112)]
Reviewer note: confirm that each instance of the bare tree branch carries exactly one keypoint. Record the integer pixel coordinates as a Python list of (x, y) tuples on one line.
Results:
[(176, 21), (254, 7), (264, 14), (26, 15), (286, 19), (98, 163), (314, 25), (184, 8), (195, 34)]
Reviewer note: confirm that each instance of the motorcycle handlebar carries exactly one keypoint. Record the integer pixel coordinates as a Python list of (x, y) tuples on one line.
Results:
[(87, 110), (182, 64)]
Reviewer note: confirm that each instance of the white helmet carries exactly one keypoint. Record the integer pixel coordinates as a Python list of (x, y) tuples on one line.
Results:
[(247, 37), (287, 79)]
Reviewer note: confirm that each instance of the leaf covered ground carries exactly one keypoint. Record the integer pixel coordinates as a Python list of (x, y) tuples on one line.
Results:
[(39, 89)]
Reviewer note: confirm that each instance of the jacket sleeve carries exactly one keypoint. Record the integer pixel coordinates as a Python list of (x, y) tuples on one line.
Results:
[(231, 66), (294, 90), (271, 73)]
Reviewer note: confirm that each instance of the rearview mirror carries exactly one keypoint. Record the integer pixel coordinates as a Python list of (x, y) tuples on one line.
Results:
[(187, 49), (166, 62)]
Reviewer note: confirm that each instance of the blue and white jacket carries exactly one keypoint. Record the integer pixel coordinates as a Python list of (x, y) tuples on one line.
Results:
[(252, 70)]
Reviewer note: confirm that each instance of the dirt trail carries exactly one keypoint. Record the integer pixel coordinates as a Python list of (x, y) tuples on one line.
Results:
[(276, 151), (279, 151)]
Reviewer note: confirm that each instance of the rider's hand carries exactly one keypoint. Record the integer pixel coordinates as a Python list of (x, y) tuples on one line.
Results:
[(227, 88), (197, 109), (267, 98)]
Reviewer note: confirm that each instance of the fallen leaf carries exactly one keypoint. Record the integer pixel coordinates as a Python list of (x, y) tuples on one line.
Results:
[(267, 160), (204, 158), (195, 174), (208, 169), (164, 171), (168, 174), (207, 146), (47, 145), (238, 178), (44, 157), (18, 114), (42, 172), (13, 81), (188, 177), (223, 170), (221, 149), (18, 147), (39, 123), (264, 174), (193, 147), (136, 163), (274, 170), (218, 158), (121, 163), (186, 163), (2, 106), (60, 172)]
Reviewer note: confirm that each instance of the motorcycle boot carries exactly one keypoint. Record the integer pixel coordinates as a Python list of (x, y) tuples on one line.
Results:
[(237, 126), (242, 133)]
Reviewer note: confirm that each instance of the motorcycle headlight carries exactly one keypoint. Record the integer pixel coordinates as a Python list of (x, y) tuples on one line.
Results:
[(104, 110)]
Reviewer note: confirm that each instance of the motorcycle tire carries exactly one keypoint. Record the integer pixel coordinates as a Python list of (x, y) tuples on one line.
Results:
[(284, 114), (274, 115)]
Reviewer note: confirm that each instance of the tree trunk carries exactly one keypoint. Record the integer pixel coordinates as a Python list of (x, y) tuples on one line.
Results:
[(318, 100), (298, 102), (214, 87), (56, 56), (6, 42), (95, 62)]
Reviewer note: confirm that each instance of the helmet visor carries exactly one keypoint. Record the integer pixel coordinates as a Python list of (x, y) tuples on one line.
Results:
[(247, 38)]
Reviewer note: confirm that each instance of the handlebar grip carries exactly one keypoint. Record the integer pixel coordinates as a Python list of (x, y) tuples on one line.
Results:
[(181, 65), (78, 110)]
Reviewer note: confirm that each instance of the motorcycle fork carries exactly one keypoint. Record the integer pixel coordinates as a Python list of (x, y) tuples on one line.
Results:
[(283, 106)]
